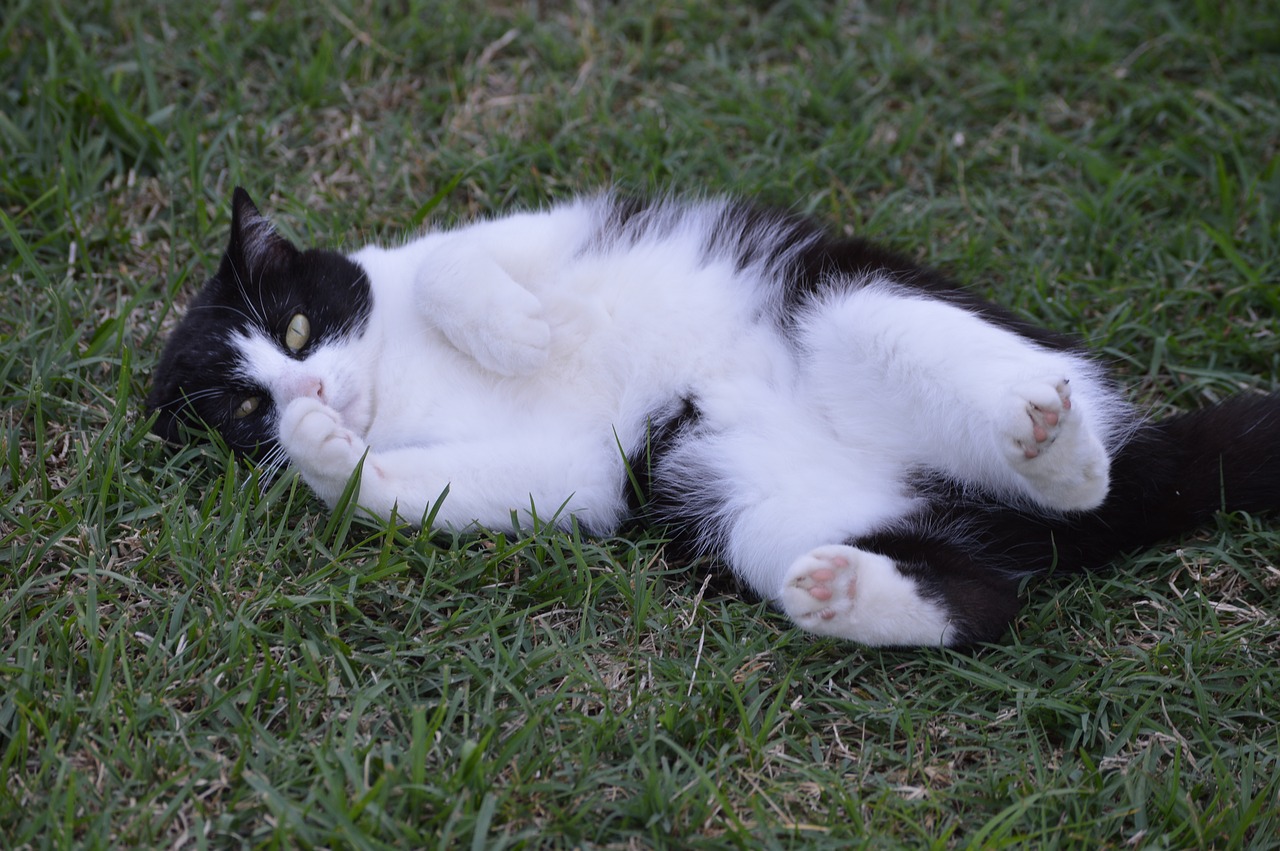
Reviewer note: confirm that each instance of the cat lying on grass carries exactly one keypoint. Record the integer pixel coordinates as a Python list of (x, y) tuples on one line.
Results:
[(879, 452)]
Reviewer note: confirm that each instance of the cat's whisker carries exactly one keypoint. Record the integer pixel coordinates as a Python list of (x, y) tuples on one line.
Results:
[(253, 306), (269, 466), (262, 299), (275, 459), (186, 400)]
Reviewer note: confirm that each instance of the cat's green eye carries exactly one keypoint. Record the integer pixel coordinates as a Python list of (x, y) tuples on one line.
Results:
[(298, 332), (247, 406)]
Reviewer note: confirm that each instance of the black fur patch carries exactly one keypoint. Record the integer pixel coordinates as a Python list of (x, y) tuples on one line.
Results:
[(261, 283)]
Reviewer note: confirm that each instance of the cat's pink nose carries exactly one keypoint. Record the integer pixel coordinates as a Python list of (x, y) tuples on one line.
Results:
[(307, 385)]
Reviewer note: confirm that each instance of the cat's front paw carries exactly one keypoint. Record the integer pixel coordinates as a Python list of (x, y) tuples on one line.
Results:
[(484, 313), (845, 592), (1051, 445), (320, 446), (518, 339)]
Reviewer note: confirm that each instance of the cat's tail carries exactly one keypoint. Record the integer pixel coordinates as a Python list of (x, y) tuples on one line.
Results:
[(1167, 480), (1171, 477)]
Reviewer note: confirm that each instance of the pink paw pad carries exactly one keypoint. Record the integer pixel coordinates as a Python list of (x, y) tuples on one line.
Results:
[(822, 583), (1046, 417)]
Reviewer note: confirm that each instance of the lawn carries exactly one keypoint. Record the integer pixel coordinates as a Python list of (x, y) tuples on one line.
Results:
[(190, 659)]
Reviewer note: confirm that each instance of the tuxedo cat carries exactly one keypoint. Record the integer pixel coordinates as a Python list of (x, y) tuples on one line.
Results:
[(879, 452)]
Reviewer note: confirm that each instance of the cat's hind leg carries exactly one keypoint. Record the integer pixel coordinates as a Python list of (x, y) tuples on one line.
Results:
[(847, 591), (793, 513), (964, 395)]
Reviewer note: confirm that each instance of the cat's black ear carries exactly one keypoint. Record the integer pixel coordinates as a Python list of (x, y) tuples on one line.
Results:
[(255, 244)]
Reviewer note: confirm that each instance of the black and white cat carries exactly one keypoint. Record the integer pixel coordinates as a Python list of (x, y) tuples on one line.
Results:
[(879, 452)]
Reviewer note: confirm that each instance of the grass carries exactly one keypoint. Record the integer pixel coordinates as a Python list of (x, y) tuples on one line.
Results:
[(186, 661)]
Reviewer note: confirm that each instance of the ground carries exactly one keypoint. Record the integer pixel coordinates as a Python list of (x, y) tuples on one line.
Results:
[(189, 660)]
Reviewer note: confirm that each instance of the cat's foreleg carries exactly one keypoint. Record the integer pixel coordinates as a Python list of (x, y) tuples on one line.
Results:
[(493, 484), (482, 310), (477, 284), (321, 448)]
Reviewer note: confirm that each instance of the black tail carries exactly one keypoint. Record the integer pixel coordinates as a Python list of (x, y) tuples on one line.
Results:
[(1170, 478), (1175, 475)]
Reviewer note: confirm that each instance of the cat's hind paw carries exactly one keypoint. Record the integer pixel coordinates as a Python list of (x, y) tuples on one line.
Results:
[(845, 592), (1051, 445), (1047, 413), (821, 586)]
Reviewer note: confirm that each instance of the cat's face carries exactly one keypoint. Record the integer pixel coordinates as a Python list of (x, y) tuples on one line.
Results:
[(272, 324)]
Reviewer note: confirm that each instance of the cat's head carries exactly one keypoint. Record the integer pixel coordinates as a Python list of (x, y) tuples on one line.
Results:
[(248, 336)]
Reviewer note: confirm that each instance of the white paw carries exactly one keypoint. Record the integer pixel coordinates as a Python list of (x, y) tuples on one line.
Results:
[(841, 591), (484, 313), (1045, 413), (1050, 444), (517, 340), (821, 586), (324, 450)]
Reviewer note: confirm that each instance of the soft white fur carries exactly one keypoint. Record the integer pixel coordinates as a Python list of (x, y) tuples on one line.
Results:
[(513, 362)]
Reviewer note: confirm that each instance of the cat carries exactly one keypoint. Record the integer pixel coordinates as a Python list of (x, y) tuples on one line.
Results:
[(878, 451)]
